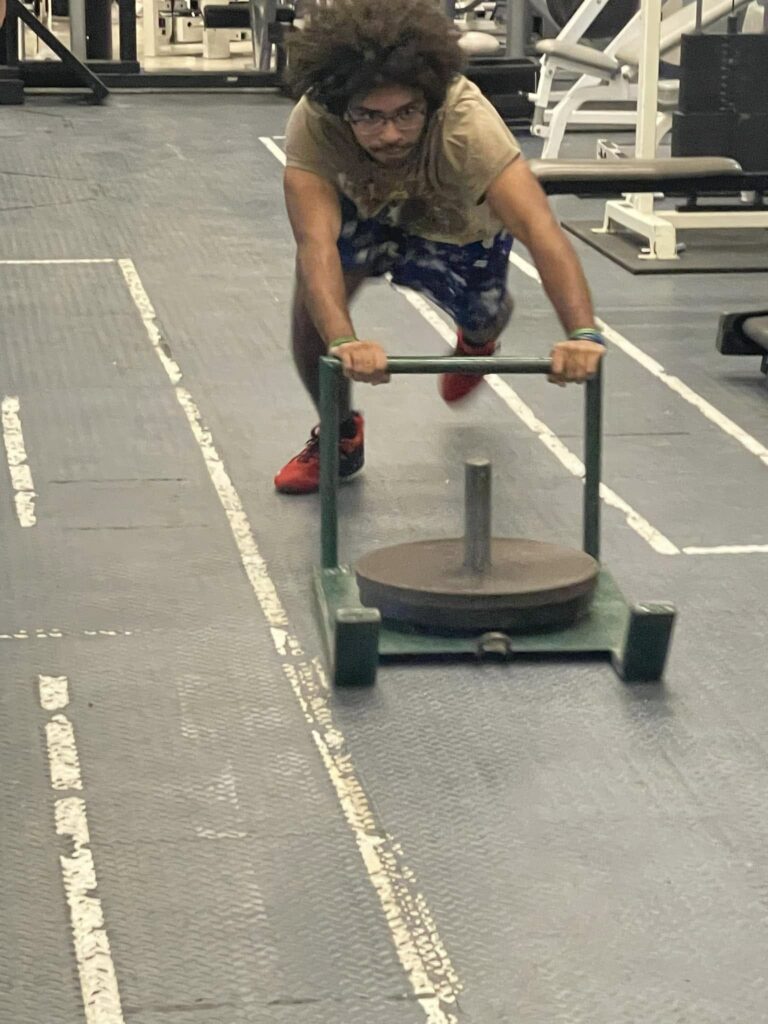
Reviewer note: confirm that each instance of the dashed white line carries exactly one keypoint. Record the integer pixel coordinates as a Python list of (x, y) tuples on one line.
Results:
[(416, 940), (54, 633), (727, 425), (54, 692), (52, 263), (16, 454), (96, 970), (98, 982), (63, 759), (728, 549)]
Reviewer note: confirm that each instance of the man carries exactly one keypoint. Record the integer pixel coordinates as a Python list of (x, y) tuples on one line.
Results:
[(397, 164)]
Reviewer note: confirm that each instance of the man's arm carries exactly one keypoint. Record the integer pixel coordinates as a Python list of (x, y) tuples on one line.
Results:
[(315, 216), (519, 202)]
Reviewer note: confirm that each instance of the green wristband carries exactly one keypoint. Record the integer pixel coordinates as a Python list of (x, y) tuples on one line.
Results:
[(342, 341)]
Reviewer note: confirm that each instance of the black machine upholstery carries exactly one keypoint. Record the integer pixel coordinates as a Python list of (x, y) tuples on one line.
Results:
[(674, 176), (234, 15), (744, 334)]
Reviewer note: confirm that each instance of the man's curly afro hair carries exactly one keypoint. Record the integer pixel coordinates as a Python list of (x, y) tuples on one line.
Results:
[(352, 47)]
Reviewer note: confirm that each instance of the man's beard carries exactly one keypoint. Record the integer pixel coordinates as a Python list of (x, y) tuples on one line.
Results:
[(392, 154)]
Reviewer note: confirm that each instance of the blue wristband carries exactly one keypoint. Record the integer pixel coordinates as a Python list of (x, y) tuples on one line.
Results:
[(587, 334)]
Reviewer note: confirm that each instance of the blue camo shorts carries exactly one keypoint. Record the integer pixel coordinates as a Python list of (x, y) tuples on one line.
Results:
[(468, 281)]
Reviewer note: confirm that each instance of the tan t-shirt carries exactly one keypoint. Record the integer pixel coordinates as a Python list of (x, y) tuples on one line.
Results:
[(439, 193)]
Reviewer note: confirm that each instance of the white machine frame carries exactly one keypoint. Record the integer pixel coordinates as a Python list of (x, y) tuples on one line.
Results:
[(572, 32), (636, 213), (610, 76)]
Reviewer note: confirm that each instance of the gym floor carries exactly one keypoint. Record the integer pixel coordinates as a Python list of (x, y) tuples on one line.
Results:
[(196, 828)]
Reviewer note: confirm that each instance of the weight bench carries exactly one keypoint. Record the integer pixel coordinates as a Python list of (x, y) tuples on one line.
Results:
[(744, 334), (610, 75), (220, 22), (675, 176), (693, 178), (268, 24)]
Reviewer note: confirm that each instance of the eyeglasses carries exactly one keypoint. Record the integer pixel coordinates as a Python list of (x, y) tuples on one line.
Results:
[(371, 121)]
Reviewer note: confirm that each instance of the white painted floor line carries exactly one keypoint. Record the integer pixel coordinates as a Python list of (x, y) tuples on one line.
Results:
[(21, 474), (727, 425), (729, 549), (98, 981), (54, 633), (527, 268), (548, 438), (273, 148), (54, 692), (414, 935), (50, 263), (62, 753)]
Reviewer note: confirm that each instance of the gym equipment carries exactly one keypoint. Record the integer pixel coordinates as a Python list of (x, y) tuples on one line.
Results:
[(566, 55), (620, 74), (674, 176), (744, 334), (478, 583), (213, 26), (489, 28), (168, 24), (223, 23), (696, 179), (723, 106), (78, 73), (493, 35), (756, 17), (506, 83), (636, 213), (610, 16), (480, 595)]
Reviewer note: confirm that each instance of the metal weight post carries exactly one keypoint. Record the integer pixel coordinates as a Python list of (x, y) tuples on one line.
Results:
[(477, 515)]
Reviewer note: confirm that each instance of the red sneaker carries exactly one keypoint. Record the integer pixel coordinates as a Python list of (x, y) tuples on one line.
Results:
[(302, 474), (454, 386)]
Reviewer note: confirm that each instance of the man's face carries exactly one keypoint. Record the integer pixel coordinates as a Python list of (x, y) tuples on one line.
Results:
[(388, 122)]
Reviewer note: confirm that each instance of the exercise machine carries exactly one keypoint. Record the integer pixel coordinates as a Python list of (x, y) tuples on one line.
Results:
[(611, 77), (210, 27), (636, 213), (591, 20)]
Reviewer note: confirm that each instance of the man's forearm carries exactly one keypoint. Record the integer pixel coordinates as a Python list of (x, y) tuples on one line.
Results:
[(321, 279), (563, 280)]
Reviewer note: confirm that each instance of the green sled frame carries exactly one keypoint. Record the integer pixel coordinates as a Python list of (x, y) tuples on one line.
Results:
[(635, 638)]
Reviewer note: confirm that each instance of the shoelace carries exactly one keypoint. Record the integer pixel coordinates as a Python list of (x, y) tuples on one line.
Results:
[(310, 447)]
